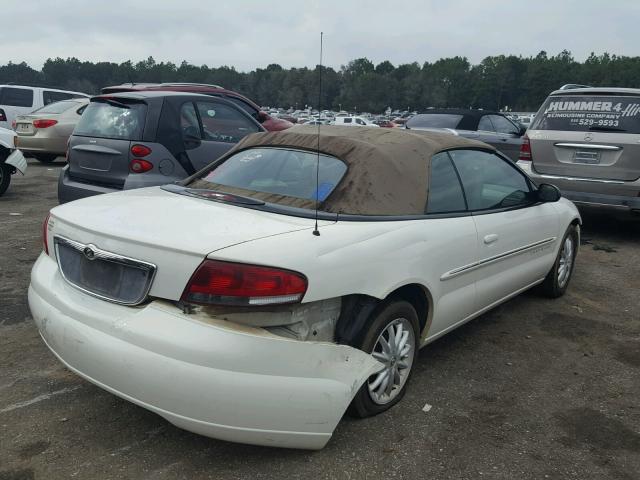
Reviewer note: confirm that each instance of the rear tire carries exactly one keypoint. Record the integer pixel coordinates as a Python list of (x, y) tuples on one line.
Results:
[(5, 176), (399, 320), (557, 280), (46, 158)]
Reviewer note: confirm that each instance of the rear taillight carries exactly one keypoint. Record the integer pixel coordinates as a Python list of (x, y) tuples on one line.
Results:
[(525, 150), (226, 283), (45, 234), (3, 116), (13, 125), (44, 123), (140, 150), (137, 165)]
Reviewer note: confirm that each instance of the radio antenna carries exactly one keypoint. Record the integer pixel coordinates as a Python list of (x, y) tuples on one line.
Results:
[(316, 232)]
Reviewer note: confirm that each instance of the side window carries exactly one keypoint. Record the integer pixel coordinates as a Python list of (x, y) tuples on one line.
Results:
[(16, 97), (49, 96), (445, 191), (189, 124), (490, 181), (81, 109), (222, 123), (502, 125), (244, 106), (485, 124), (360, 121), (346, 120)]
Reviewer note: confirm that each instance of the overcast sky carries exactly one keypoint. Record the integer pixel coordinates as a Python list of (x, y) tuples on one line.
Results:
[(249, 34)]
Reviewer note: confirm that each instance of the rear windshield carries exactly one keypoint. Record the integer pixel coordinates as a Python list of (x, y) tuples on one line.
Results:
[(115, 119), (58, 107), (589, 113), (434, 120), (291, 173)]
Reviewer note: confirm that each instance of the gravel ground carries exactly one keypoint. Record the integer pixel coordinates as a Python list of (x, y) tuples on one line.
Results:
[(534, 389)]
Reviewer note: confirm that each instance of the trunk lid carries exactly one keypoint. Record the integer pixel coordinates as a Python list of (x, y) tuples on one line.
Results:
[(592, 136), (173, 232)]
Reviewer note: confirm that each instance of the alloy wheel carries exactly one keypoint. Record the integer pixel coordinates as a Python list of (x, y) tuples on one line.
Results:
[(566, 262), (394, 348)]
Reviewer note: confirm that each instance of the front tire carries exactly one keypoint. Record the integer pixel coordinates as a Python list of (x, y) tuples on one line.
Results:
[(391, 335), (557, 280)]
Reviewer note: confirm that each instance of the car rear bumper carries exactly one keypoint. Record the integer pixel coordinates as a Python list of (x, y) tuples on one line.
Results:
[(36, 144), (208, 376), (601, 200), (591, 192), (70, 189)]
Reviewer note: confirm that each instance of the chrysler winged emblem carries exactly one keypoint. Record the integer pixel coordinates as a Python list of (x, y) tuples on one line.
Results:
[(89, 252), (588, 137)]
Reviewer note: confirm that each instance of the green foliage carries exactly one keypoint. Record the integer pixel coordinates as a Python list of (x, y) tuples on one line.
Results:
[(516, 82)]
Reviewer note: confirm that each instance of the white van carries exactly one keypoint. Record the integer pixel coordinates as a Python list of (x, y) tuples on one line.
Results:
[(353, 122), (19, 100)]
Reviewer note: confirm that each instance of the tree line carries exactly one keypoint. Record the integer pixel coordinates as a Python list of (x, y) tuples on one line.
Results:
[(497, 82)]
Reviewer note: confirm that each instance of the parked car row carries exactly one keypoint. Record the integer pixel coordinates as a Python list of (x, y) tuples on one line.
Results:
[(21, 99), (490, 127)]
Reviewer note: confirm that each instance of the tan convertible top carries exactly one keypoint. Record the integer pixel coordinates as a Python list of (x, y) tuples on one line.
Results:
[(387, 169)]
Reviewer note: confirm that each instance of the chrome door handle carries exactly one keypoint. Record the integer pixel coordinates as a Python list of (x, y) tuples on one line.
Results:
[(488, 239)]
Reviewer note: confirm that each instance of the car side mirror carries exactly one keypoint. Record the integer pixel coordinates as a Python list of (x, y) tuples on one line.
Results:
[(522, 130), (263, 116), (548, 193)]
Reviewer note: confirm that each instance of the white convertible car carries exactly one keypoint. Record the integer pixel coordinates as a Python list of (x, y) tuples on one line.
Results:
[(217, 303)]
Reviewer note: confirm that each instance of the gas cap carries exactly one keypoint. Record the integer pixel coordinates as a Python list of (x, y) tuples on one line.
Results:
[(166, 167)]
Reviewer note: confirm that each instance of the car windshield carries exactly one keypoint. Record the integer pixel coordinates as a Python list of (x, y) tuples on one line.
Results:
[(584, 113), (113, 118), (434, 120), (286, 172), (58, 107)]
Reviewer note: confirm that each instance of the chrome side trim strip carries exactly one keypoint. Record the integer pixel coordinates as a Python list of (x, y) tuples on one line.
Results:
[(580, 179), (105, 255), (587, 146), (487, 261)]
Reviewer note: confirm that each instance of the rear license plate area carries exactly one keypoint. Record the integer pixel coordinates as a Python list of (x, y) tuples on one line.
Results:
[(98, 163), (104, 274), (588, 157), (98, 276)]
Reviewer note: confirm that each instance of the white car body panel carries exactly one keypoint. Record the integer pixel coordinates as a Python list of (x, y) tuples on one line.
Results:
[(535, 229), (240, 383), (195, 371), (16, 159), (347, 256)]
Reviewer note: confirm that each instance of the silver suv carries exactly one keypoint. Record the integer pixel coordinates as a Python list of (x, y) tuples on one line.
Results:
[(586, 141)]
